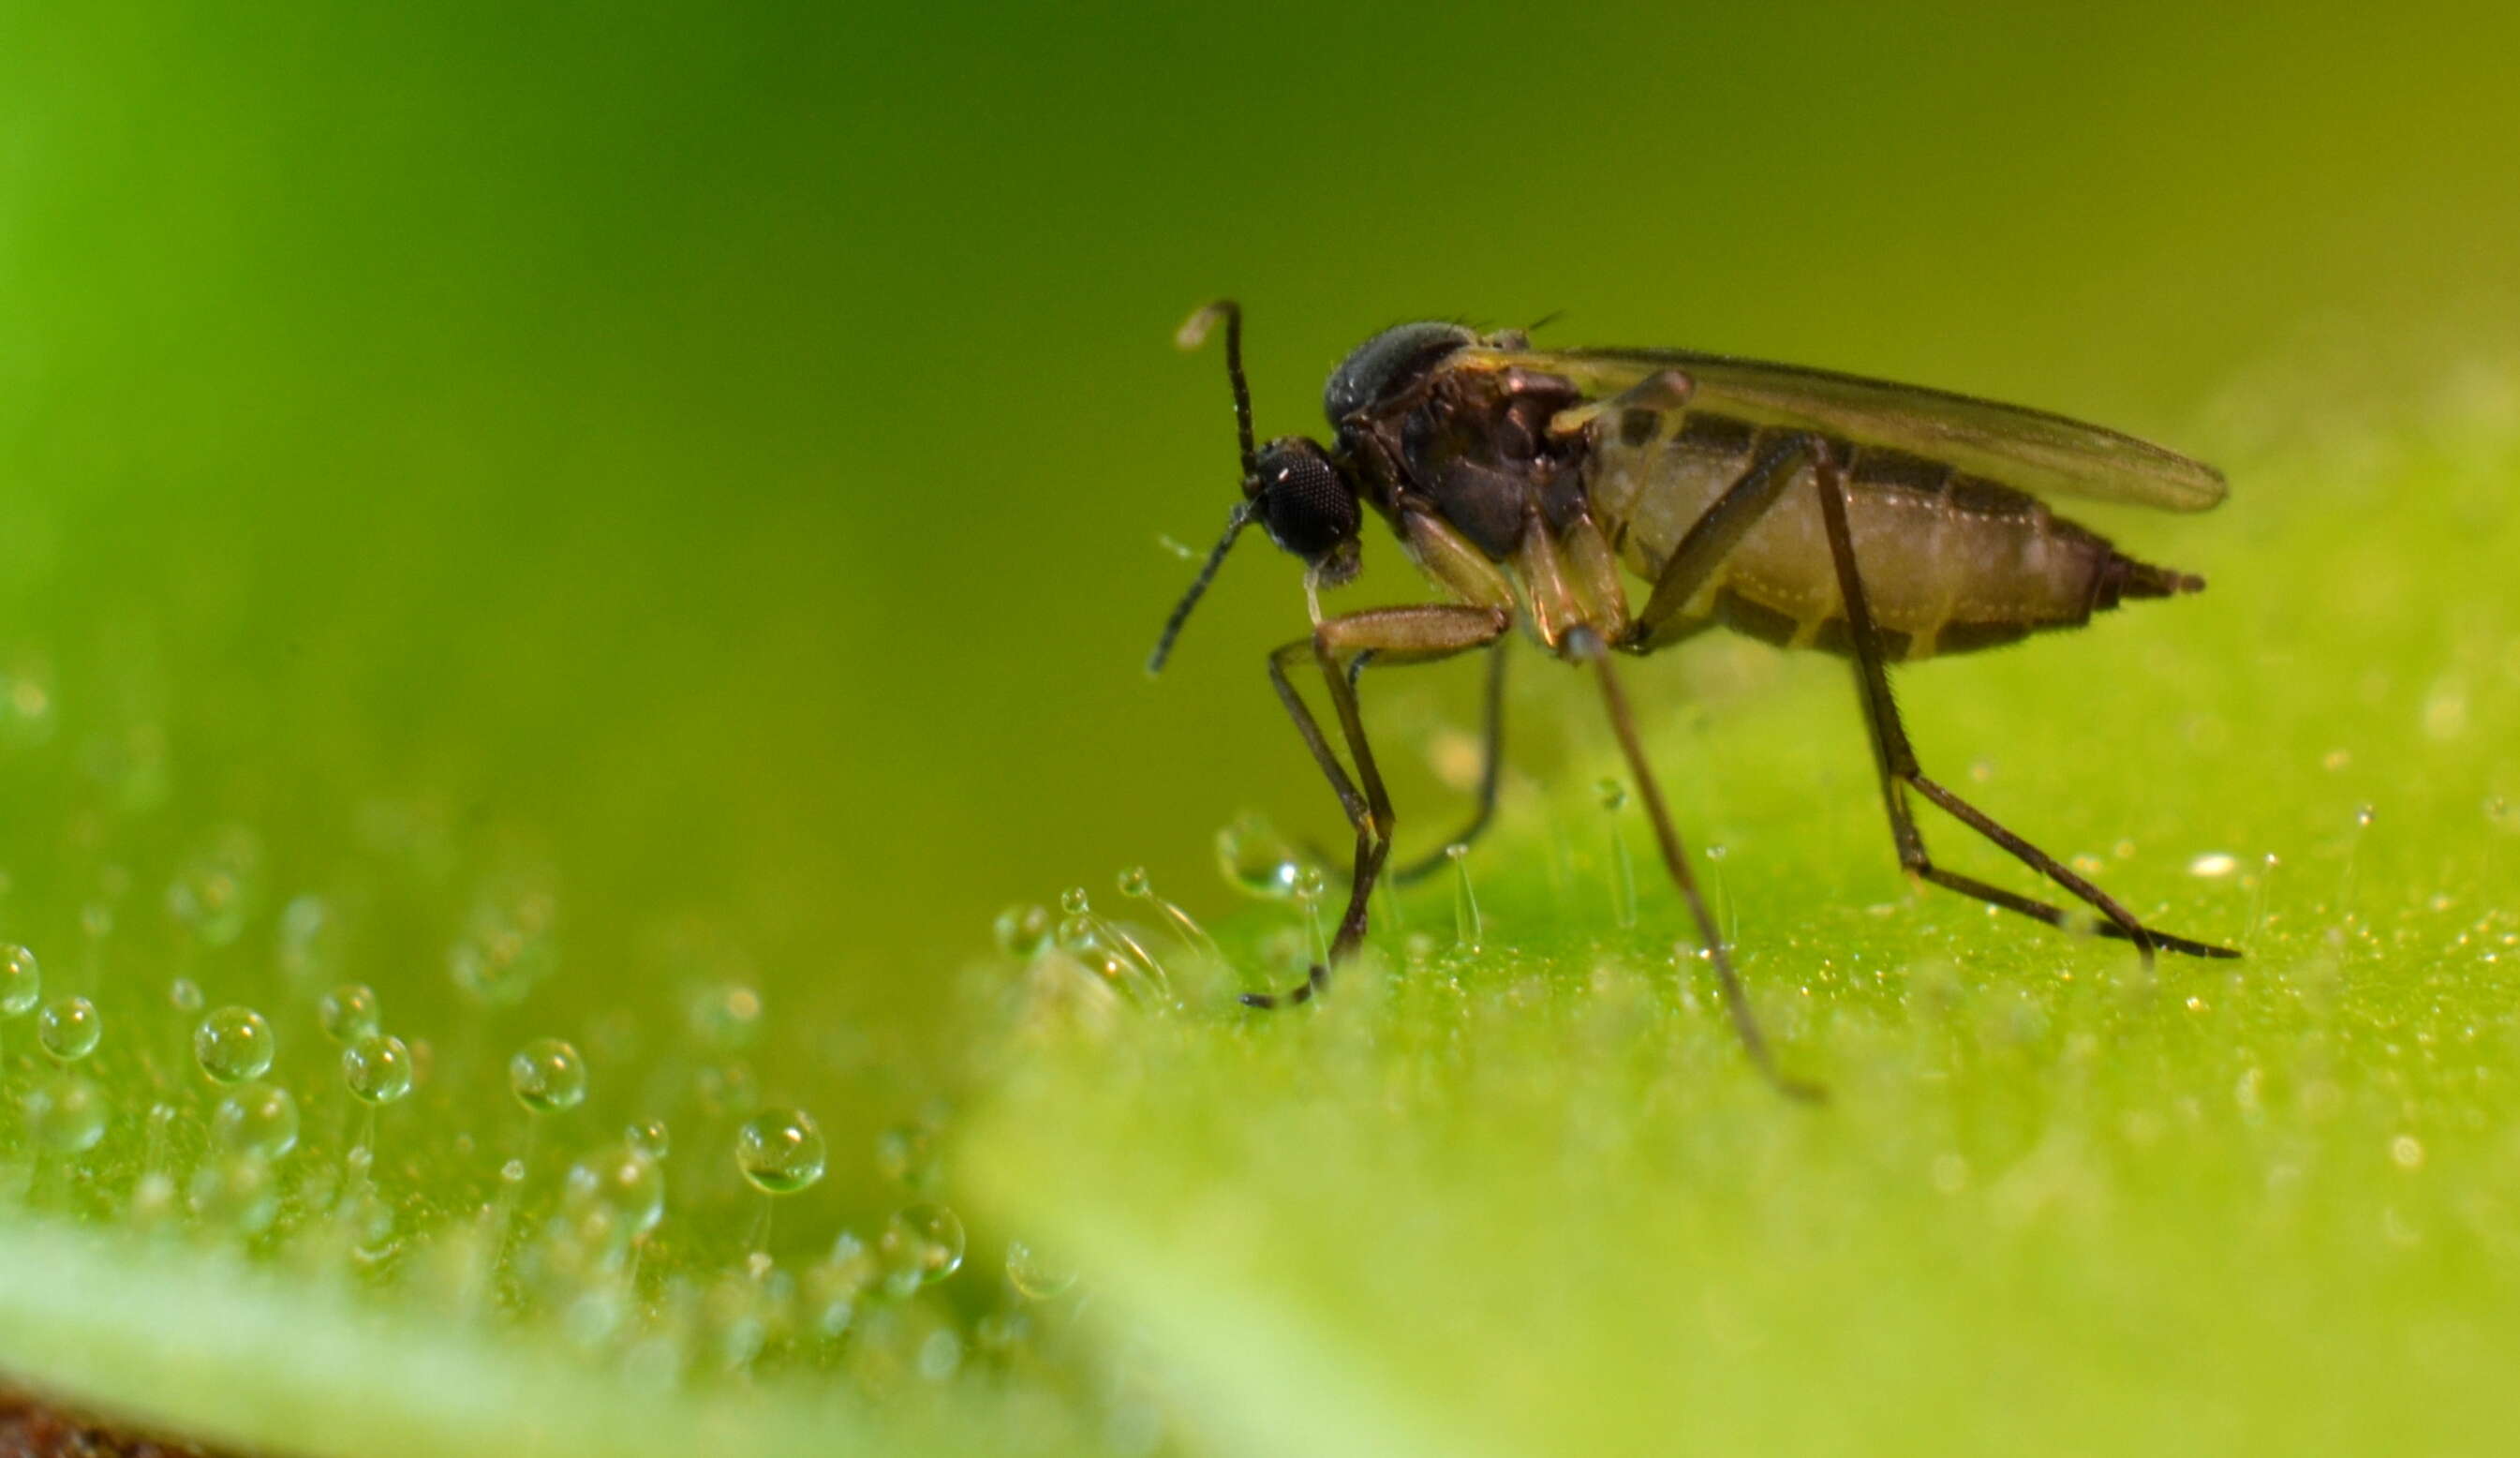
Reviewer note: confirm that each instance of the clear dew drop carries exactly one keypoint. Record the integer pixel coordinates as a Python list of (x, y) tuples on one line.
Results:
[(650, 1137), (21, 982), (185, 994), (547, 1075), (350, 1013), (257, 1118), (923, 1244), (1256, 860), (234, 1045), (1034, 1278), (377, 1069), (2363, 815), (68, 1028), (66, 1115), (780, 1151), (1135, 884), (1022, 930), (1074, 901)]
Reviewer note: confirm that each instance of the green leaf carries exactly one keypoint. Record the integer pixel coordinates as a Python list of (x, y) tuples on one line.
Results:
[(1530, 1198)]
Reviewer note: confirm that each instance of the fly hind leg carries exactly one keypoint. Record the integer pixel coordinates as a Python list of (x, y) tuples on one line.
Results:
[(1896, 759), (1393, 635)]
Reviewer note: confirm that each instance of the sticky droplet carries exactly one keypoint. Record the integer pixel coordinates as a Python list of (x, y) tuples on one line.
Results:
[(547, 1075), (1034, 1278), (234, 1045), (21, 982), (1467, 927), (66, 1115), (377, 1069), (780, 1151), (923, 1244), (68, 1028), (623, 1185), (650, 1137), (348, 1013), (257, 1118), (1257, 861), (1022, 930)]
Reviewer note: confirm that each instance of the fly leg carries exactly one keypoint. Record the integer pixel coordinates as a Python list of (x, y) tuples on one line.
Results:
[(1713, 536), (1491, 770), (1407, 635), (1896, 759), (1715, 533), (1582, 644)]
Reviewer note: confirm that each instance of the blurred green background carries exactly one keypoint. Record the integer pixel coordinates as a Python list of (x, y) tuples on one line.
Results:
[(718, 454)]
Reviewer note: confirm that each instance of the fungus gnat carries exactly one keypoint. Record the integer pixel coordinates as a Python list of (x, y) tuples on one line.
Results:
[(1884, 523)]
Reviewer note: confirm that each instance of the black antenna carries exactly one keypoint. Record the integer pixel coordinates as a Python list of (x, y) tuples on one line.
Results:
[(1233, 525), (1193, 334)]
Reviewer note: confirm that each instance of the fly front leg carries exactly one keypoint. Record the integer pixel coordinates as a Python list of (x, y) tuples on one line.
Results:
[(1491, 770), (1897, 761), (1392, 635)]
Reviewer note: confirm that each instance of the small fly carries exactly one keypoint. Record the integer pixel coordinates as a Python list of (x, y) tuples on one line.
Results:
[(1882, 523)]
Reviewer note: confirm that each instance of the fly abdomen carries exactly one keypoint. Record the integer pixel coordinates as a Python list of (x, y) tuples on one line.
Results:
[(1950, 561)]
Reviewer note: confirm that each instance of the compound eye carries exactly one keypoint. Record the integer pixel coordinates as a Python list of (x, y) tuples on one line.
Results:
[(1305, 503)]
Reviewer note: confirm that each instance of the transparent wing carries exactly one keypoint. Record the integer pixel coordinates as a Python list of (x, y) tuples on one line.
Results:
[(2029, 450)]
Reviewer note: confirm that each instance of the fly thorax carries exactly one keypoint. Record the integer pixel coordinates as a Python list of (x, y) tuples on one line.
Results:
[(1479, 449)]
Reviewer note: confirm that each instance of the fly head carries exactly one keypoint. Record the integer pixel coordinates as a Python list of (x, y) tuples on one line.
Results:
[(1307, 504), (1300, 494)]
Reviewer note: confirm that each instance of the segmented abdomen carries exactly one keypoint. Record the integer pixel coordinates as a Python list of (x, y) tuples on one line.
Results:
[(1949, 562)]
